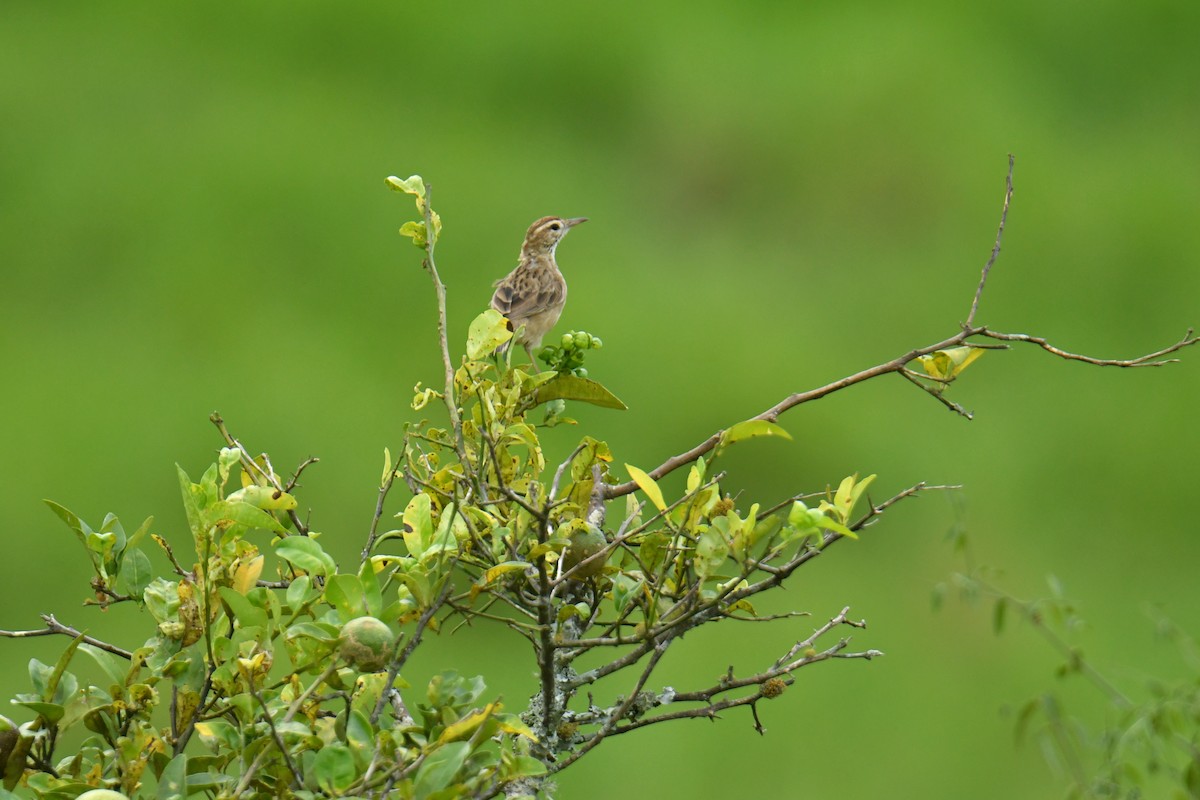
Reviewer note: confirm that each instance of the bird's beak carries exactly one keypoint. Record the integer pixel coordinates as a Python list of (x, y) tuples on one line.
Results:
[(571, 223)]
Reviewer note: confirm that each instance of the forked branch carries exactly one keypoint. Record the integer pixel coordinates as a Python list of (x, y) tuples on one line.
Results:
[(900, 365)]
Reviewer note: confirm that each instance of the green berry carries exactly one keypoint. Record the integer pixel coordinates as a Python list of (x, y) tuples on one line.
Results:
[(581, 373), (596, 343), (568, 341), (583, 340)]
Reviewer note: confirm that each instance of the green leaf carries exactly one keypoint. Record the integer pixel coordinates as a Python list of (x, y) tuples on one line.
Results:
[(387, 468), (113, 668), (237, 512), (14, 769), (372, 594), (268, 498), (418, 525), (625, 588), (833, 525), (487, 332), (51, 712), (439, 768), (172, 783), (416, 232), (139, 534), (298, 593), (571, 387), (192, 495), (751, 429), (360, 736), (414, 185), (246, 613), (711, 552), (345, 593), (303, 553), (50, 692), (647, 485), (334, 768), (848, 494), (521, 766), (136, 572), (73, 522)]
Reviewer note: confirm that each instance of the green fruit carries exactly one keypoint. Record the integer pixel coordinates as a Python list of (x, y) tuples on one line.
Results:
[(596, 343), (583, 340), (568, 341), (581, 373), (101, 794), (546, 354), (586, 540), (366, 643)]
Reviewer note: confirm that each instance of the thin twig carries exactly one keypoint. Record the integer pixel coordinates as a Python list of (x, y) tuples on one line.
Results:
[(371, 535), (248, 775), (1008, 192), (291, 484), (940, 396), (450, 397), (297, 780), (1154, 359), (56, 628)]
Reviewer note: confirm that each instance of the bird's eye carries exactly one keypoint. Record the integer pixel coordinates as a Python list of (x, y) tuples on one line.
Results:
[(554, 226)]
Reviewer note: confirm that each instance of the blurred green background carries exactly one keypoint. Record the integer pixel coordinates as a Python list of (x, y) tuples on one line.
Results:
[(194, 218)]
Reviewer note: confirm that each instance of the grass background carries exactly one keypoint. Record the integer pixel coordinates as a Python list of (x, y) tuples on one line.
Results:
[(193, 217)]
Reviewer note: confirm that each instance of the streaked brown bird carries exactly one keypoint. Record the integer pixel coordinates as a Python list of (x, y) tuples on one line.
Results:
[(533, 294)]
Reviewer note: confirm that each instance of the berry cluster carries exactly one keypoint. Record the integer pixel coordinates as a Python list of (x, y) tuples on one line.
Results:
[(567, 356)]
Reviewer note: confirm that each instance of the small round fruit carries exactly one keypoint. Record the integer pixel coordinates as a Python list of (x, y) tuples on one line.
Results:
[(597, 343), (366, 643), (583, 340), (101, 794), (568, 341), (581, 372), (546, 354), (586, 540)]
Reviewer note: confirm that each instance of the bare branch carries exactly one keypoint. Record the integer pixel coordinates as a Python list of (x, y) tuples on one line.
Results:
[(1154, 359), (1008, 192), (937, 394), (56, 628), (384, 488), (969, 330), (770, 683), (305, 464), (450, 398)]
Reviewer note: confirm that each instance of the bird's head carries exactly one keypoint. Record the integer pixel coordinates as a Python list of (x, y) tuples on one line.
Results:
[(545, 234)]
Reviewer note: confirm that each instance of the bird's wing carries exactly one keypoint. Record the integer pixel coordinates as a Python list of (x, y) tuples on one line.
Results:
[(522, 295)]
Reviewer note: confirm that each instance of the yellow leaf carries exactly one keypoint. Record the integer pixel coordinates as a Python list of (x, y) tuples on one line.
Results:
[(647, 485), (247, 574), (465, 727), (487, 332), (498, 571), (947, 364), (511, 723)]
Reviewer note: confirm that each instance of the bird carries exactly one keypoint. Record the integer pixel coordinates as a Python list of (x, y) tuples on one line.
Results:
[(533, 294)]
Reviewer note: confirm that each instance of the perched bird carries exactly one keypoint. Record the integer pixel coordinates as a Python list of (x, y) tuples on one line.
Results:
[(533, 294)]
